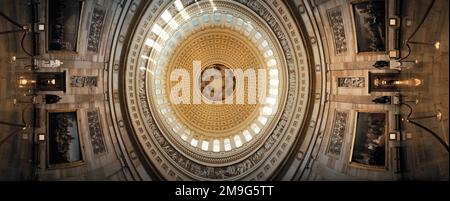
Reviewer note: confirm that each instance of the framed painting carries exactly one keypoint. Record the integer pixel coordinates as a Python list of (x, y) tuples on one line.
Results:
[(369, 19), (64, 147), (369, 148), (63, 24)]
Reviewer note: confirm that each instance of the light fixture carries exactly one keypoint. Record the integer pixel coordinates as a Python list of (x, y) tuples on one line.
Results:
[(41, 137), (437, 115), (393, 22), (39, 26), (23, 82), (413, 82), (409, 22), (52, 81), (437, 45), (394, 135), (408, 136), (393, 54)]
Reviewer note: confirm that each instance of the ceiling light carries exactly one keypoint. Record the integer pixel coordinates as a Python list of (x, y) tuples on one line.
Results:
[(437, 45)]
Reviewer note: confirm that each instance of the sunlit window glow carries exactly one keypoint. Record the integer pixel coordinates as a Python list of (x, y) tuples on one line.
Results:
[(229, 18), (258, 36), (273, 72), (217, 17), (247, 135), (255, 128), (156, 29), (179, 5), (273, 91), (206, 18), (269, 53), (227, 144), (249, 27), (274, 82), (237, 141), (267, 110), (216, 146), (173, 24), (184, 136), (239, 22), (271, 101), (205, 145), (157, 47), (164, 35), (149, 42), (272, 62), (262, 120), (166, 16), (194, 142)]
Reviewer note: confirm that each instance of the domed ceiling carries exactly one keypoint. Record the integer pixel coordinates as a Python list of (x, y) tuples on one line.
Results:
[(224, 90), (191, 132)]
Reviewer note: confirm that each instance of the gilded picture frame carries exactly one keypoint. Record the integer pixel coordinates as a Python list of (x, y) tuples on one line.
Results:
[(49, 28), (65, 145), (369, 142), (374, 38)]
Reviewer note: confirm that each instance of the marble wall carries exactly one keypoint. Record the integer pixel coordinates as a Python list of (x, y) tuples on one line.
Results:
[(348, 72)]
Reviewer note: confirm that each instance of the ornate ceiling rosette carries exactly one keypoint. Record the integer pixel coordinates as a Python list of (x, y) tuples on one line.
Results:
[(216, 141)]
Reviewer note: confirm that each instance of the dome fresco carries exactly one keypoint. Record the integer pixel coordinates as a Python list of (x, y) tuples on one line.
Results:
[(218, 139)]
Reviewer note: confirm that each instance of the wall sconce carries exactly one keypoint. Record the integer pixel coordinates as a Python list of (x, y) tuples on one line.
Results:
[(51, 81), (437, 115), (14, 58), (41, 137), (437, 44), (39, 26), (414, 82), (393, 22), (394, 136), (393, 54), (23, 82)]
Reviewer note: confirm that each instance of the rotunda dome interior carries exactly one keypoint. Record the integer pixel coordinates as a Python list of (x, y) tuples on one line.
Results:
[(214, 90)]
